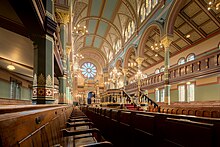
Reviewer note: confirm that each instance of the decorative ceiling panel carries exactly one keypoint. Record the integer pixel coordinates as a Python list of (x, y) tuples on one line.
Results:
[(201, 18), (124, 10), (97, 42), (185, 28), (209, 27), (181, 43), (92, 26), (89, 40), (109, 9), (96, 7), (102, 28), (194, 36), (192, 9)]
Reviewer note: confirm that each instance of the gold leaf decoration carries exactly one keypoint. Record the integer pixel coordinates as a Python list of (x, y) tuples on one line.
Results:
[(41, 80)]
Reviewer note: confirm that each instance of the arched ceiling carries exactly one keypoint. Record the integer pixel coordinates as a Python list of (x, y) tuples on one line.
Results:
[(105, 20)]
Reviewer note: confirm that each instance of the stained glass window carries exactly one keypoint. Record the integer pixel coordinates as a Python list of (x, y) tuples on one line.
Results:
[(88, 70)]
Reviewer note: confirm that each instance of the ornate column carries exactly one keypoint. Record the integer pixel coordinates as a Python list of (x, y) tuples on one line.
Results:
[(63, 80), (139, 60), (43, 73), (166, 41), (69, 78)]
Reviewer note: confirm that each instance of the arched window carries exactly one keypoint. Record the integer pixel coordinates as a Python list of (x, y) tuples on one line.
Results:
[(148, 6), (181, 61), (154, 3), (162, 69), (143, 11), (190, 57), (132, 27), (126, 35), (157, 71), (110, 56), (129, 30), (88, 70)]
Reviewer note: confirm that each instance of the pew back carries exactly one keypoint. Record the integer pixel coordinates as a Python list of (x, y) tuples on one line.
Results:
[(39, 127)]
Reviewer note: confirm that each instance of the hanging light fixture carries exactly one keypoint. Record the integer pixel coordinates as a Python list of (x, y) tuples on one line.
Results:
[(80, 30), (132, 64), (156, 46), (11, 67), (214, 4)]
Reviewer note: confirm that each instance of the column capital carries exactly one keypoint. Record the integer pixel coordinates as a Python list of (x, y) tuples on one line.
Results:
[(139, 60), (125, 70), (64, 16), (166, 41), (68, 50)]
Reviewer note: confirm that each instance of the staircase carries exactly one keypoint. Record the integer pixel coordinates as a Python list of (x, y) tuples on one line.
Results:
[(130, 107), (133, 107)]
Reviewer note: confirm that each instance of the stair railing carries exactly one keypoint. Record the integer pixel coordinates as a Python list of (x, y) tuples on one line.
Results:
[(125, 94), (149, 101)]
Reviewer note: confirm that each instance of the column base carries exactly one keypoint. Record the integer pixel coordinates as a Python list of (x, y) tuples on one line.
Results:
[(42, 101)]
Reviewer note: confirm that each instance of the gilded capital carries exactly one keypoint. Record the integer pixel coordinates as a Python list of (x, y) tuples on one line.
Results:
[(166, 41), (63, 16), (139, 60), (68, 50), (125, 70)]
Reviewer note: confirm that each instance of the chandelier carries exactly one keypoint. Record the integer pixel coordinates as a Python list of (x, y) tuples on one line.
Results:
[(114, 75), (78, 56), (132, 64), (213, 4), (156, 46), (80, 30), (138, 75)]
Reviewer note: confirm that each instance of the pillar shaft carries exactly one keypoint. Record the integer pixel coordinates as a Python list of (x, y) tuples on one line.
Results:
[(43, 83), (166, 41)]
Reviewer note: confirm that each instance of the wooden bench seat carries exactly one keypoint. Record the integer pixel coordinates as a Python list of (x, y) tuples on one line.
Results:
[(135, 128), (42, 127)]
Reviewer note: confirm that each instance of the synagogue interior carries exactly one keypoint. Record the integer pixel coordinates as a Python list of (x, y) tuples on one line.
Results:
[(122, 73)]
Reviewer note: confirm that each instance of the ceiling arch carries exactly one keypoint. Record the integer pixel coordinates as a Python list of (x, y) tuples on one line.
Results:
[(131, 10), (145, 35), (101, 19), (127, 55), (96, 35), (98, 55)]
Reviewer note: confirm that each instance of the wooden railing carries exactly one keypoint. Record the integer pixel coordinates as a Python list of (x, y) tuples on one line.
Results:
[(150, 102), (204, 66)]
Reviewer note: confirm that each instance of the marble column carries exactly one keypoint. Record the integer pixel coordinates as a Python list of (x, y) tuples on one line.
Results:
[(166, 41)]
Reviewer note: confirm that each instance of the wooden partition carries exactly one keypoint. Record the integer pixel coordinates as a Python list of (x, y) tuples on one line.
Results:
[(135, 128), (34, 127), (10, 101)]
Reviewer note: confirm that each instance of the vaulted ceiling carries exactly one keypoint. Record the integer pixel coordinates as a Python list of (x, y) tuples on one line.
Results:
[(194, 23), (105, 20)]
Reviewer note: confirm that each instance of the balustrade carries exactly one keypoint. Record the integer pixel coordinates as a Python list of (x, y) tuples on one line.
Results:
[(203, 66)]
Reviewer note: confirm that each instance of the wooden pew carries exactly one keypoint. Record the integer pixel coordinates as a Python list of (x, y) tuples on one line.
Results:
[(40, 127), (44, 127), (135, 128)]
